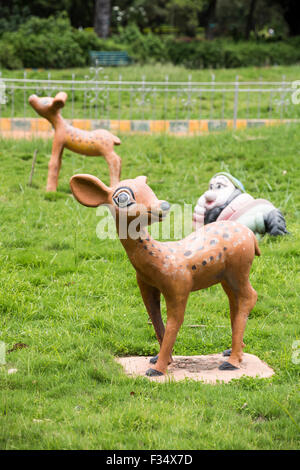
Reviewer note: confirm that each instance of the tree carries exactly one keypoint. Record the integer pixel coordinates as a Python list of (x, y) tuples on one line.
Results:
[(290, 9), (210, 20), (102, 18), (250, 17), (184, 15)]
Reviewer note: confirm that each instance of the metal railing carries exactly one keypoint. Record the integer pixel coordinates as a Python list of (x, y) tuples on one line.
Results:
[(103, 99)]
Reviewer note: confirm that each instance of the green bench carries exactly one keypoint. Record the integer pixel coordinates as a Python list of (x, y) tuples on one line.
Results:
[(109, 58)]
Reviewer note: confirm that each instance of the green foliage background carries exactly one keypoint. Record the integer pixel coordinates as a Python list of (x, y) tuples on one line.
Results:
[(53, 43)]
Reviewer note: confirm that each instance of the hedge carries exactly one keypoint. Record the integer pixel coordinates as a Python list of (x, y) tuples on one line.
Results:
[(53, 43)]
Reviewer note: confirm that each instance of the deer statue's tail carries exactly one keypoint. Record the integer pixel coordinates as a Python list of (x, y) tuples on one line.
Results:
[(116, 140), (256, 247)]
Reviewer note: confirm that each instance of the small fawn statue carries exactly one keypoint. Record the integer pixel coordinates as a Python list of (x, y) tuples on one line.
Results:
[(221, 252), (98, 142)]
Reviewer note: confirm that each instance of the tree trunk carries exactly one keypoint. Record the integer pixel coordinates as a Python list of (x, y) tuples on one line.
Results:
[(249, 24), (291, 16), (210, 19), (102, 18)]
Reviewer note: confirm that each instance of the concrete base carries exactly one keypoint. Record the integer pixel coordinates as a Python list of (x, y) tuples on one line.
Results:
[(199, 368)]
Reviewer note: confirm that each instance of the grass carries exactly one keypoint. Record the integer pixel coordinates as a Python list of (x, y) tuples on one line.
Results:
[(73, 300), (156, 72), (115, 104)]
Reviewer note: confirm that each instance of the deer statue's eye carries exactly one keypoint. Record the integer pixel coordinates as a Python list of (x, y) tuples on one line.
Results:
[(45, 102), (123, 199)]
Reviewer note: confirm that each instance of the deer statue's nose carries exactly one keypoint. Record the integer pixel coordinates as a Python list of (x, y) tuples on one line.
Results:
[(165, 206), (32, 98)]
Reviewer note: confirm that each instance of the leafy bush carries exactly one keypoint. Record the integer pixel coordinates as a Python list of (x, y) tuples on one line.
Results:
[(10, 20), (89, 41), (228, 54), (196, 54), (53, 43), (143, 47), (48, 43), (8, 56), (257, 54)]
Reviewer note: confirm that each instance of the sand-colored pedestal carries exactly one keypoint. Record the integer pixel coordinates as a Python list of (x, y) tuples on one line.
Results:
[(200, 368)]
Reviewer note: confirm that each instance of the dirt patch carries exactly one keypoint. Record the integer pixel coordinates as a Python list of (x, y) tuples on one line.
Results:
[(200, 368), (17, 346)]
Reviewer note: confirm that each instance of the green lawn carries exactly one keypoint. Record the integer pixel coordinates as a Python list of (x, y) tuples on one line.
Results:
[(156, 72), (142, 104), (73, 299)]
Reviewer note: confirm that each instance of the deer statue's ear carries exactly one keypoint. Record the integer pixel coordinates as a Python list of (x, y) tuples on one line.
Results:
[(143, 179), (60, 100), (89, 190)]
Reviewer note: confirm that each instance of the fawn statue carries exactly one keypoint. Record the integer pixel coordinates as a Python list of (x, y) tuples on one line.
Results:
[(221, 252), (98, 142)]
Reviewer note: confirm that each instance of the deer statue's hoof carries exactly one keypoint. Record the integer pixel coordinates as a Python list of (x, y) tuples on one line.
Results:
[(154, 359), (227, 352), (227, 366), (153, 373)]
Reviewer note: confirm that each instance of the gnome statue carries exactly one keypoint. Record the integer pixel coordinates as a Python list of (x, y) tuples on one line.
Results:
[(226, 199)]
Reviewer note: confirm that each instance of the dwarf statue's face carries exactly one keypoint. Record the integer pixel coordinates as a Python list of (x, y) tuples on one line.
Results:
[(220, 188)]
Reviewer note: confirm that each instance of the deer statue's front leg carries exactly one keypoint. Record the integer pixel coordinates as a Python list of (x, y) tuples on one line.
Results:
[(151, 298), (114, 164), (175, 315), (54, 165)]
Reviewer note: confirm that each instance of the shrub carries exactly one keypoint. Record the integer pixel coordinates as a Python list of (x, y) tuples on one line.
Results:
[(228, 54), (8, 56), (89, 41), (48, 43), (142, 47), (53, 43)]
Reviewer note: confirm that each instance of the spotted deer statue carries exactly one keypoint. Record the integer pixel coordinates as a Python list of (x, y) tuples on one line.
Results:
[(98, 142), (221, 252)]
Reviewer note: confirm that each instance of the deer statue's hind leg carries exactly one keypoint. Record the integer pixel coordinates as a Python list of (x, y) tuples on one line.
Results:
[(151, 298), (175, 316), (242, 299), (114, 164), (233, 309), (54, 165)]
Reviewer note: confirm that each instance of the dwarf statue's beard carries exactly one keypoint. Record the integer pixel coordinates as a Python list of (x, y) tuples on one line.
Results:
[(212, 214)]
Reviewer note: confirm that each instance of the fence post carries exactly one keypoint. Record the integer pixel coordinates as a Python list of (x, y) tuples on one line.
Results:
[(236, 101), (119, 100), (282, 97), (1, 105), (49, 84), (24, 92), (259, 97), (189, 98), (143, 96), (130, 104), (166, 100), (24, 97), (212, 99), (154, 105), (73, 77)]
